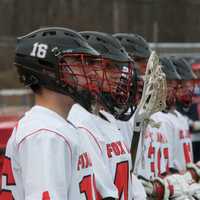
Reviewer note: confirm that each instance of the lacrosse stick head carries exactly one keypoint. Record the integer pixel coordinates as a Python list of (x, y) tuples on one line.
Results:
[(154, 90), (153, 100)]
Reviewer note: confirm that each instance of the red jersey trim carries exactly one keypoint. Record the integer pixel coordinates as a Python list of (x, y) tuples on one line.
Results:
[(43, 129), (95, 139), (45, 196)]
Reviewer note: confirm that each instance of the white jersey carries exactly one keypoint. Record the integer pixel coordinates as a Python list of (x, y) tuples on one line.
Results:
[(93, 144), (126, 130), (153, 154), (45, 159), (182, 151), (109, 143)]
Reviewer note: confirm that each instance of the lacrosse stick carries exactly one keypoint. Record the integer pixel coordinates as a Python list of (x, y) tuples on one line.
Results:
[(153, 100)]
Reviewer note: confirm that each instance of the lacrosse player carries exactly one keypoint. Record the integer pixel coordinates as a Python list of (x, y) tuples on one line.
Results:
[(114, 94), (183, 144), (45, 157), (176, 186), (138, 49)]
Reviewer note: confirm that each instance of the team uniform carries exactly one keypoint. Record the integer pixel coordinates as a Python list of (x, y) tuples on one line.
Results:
[(46, 159), (109, 145), (153, 154), (104, 181), (126, 130), (182, 148)]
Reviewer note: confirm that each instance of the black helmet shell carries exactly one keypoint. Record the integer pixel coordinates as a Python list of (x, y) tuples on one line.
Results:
[(106, 45), (38, 55), (134, 44), (169, 69), (183, 68)]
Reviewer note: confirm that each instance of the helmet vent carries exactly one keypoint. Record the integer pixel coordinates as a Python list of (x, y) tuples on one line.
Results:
[(69, 34), (129, 41), (101, 40), (86, 37), (49, 33)]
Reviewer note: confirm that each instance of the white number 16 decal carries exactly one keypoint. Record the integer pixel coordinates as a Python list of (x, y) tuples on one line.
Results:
[(39, 50)]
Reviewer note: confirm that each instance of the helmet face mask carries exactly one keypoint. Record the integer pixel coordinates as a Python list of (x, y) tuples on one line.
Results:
[(82, 71), (118, 80), (171, 93), (186, 87), (98, 76), (185, 92), (173, 79)]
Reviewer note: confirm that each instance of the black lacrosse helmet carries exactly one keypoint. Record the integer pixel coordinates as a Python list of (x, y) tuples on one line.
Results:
[(172, 78), (169, 69), (185, 92), (110, 48), (39, 58)]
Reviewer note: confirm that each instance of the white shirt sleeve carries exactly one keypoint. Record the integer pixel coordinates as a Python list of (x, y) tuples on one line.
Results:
[(45, 161)]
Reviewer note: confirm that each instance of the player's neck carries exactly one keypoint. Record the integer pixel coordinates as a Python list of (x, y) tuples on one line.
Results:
[(59, 103)]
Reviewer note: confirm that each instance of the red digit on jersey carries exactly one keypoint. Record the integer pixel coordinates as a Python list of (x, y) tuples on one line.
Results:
[(166, 157), (187, 152), (8, 173), (121, 179), (151, 155), (87, 186)]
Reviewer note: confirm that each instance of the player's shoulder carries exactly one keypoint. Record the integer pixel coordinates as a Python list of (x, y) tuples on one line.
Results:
[(40, 120), (182, 118), (173, 116), (79, 116), (159, 116), (86, 122)]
